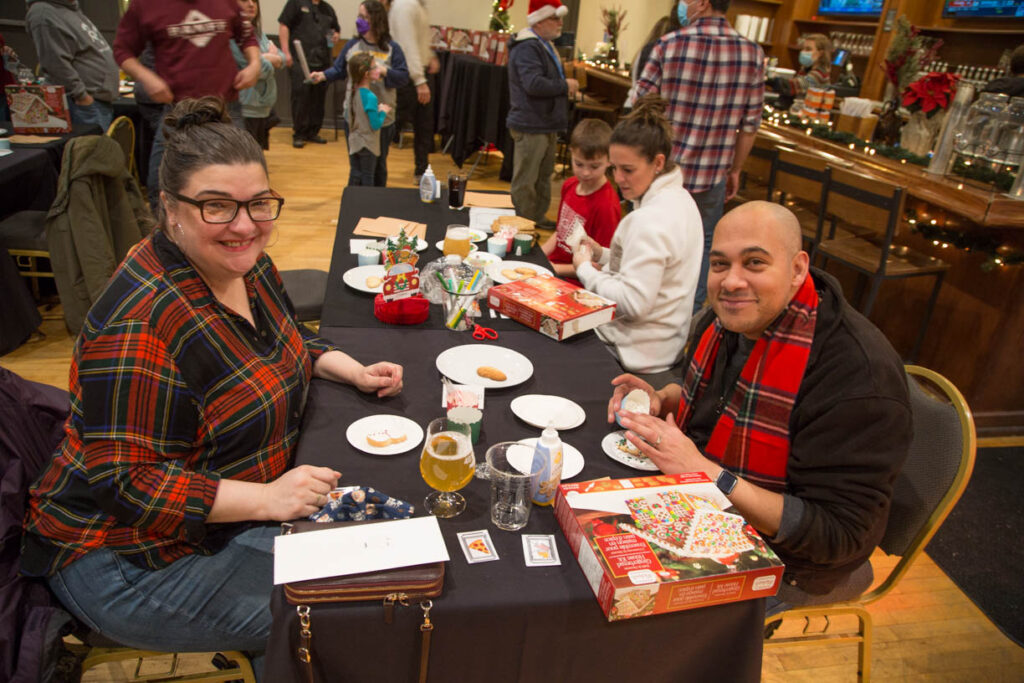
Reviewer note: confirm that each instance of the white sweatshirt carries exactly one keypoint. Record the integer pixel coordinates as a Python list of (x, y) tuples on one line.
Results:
[(651, 271), (410, 28)]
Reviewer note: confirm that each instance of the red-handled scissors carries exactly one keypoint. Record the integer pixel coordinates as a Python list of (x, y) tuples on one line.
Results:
[(482, 333)]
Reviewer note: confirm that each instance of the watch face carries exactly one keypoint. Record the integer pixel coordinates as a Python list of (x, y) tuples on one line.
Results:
[(726, 482)]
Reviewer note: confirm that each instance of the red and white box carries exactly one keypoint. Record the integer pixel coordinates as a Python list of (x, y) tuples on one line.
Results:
[(665, 543), (499, 48), (481, 45), (553, 307), (439, 37), (460, 40), (38, 109)]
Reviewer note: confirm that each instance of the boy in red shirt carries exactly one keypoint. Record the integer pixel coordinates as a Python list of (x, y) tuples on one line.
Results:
[(588, 199)]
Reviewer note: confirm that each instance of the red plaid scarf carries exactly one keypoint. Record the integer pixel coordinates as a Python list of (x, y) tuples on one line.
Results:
[(751, 437)]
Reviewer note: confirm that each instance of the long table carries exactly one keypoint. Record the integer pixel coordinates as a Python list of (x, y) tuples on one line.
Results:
[(496, 621)]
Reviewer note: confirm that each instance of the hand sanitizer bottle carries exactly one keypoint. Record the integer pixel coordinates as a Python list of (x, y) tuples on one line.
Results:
[(428, 186), (547, 467)]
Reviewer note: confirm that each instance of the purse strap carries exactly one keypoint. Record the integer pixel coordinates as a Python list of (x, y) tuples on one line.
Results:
[(305, 649)]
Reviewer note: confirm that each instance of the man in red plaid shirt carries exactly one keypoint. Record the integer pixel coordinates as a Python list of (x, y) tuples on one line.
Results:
[(713, 79)]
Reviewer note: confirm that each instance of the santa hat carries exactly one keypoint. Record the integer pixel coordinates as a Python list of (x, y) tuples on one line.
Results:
[(545, 9)]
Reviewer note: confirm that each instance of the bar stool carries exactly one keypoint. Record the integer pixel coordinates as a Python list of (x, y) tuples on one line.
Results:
[(876, 206)]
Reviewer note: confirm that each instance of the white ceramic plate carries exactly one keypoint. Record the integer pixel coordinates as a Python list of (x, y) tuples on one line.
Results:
[(395, 425), (459, 364), (522, 458), (356, 278), (482, 259), (421, 243), (495, 270), (477, 235), (440, 247), (541, 410), (609, 444)]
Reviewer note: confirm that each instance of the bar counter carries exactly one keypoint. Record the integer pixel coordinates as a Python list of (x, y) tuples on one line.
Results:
[(976, 333)]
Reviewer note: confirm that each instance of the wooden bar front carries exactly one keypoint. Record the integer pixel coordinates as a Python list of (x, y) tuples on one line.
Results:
[(976, 335)]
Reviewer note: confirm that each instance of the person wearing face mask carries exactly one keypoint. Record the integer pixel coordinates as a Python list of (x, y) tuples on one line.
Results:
[(373, 36), (815, 68), (650, 269), (315, 25), (713, 79), (663, 26)]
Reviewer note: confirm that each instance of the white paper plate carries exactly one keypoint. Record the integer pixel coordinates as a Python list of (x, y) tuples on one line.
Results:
[(483, 258), (522, 458), (494, 270), (459, 364), (440, 247), (356, 277), (477, 235), (395, 425), (609, 444), (421, 243), (541, 410)]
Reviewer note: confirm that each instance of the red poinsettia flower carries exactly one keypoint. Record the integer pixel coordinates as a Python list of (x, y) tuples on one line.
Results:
[(931, 93)]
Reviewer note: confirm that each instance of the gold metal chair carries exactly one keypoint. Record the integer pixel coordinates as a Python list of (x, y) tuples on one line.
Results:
[(122, 130), (237, 666), (934, 476), (874, 207)]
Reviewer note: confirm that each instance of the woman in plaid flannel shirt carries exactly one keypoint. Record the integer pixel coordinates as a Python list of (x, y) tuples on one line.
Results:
[(153, 523)]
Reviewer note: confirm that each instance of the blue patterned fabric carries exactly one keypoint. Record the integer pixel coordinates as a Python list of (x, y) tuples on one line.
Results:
[(358, 503)]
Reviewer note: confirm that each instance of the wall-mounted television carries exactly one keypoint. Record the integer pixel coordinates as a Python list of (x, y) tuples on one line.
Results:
[(852, 8), (984, 9)]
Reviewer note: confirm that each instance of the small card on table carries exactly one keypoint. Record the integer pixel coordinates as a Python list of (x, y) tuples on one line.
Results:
[(477, 546), (539, 550)]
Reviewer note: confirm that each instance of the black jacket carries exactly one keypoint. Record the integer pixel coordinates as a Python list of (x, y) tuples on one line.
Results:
[(849, 434), (538, 93)]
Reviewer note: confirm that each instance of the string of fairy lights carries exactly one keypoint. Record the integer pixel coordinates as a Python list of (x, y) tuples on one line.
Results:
[(941, 231)]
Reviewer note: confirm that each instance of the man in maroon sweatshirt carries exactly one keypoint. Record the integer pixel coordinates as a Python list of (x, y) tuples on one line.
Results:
[(192, 56)]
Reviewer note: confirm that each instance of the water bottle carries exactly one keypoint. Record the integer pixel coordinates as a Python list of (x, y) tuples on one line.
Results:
[(547, 467), (429, 190)]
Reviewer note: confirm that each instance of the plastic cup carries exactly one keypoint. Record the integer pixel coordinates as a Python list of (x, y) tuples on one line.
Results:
[(521, 244), (497, 246), (510, 487), (472, 417), (457, 240), (456, 190), (457, 309), (369, 257)]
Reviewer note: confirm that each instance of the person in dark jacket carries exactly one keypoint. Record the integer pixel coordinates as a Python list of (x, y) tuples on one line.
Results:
[(792, 402), (538, 106), (1012, 85)]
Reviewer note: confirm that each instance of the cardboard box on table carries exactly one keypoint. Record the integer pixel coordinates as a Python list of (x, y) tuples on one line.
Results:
[(665, 543), (38, 109), (553, 307)]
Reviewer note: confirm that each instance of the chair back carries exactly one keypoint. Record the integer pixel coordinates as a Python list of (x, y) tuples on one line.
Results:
[(122, 131), (758, 165), (800, 175), (866, 202), (935, 473)]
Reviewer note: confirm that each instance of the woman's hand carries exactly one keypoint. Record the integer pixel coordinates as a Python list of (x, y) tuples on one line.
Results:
[(581, 256), (623, 385), (317, 77), (384, 378), (297, 493)]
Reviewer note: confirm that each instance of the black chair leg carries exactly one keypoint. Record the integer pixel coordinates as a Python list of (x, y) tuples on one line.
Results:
[(927, 317), (869, 303)]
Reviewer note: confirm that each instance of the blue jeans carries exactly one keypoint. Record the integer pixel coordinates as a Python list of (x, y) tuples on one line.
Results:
[(710, 203), (156, 153), (380, 171), (362, 167), (198, 604), (100, 113)]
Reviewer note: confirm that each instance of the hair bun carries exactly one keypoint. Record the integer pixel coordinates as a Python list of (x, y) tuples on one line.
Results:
[(197, 112), (651, 106)]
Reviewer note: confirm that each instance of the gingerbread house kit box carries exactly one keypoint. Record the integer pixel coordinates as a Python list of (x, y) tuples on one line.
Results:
[(38, 109), (554, 307), (664, 543)]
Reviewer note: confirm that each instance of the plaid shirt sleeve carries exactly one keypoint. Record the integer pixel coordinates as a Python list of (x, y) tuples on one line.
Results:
[(138, 423), (650, 79), (755, 99)]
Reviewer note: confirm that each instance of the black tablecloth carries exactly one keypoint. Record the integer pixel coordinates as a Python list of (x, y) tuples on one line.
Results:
[(55, 148), (497, 621), (19, 317), (28, 180), (346, 307), (474, 103)]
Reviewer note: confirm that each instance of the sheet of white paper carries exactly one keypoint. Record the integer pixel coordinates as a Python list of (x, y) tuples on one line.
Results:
[(356, 245), (481, 217), (358, 548)]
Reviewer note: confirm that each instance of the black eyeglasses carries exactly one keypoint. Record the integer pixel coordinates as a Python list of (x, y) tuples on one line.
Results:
[(224, 210)]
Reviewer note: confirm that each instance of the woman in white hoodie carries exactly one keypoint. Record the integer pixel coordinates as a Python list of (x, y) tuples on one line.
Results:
[(651, 268)]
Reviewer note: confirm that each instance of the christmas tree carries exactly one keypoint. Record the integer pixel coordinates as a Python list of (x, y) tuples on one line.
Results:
[(499, 15)]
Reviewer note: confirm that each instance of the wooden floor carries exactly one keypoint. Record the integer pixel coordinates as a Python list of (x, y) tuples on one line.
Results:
[(927, 630)]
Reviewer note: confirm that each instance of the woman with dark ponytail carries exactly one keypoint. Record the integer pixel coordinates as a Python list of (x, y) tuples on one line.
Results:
[(651, 268), (154, 521)]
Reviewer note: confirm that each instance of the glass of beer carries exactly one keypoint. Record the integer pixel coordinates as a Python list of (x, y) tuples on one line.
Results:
[(447, 465), (456, 189), (457, 240)]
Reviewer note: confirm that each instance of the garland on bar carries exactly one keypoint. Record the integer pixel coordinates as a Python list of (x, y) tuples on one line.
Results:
[(998, 255), (1003, 180), (843, 138)]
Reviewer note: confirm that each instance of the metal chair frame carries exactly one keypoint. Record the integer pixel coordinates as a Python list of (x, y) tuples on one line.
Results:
[(945, 390)]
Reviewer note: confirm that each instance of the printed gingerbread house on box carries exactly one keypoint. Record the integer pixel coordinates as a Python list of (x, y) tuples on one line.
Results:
[(665, 543), (38, 109)]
